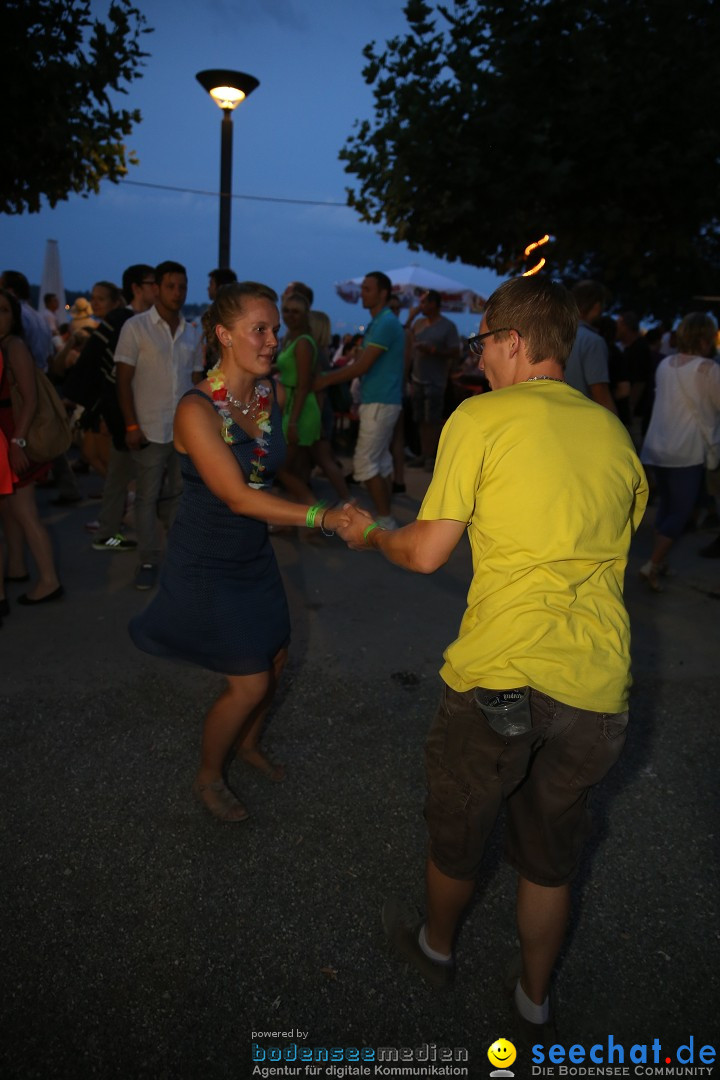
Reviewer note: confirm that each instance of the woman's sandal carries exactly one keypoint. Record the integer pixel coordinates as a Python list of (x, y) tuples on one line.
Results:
[(272, 770), (220, 801)]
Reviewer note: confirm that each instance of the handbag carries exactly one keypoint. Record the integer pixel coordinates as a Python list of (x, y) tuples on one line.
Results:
[(712, 450), (49, 434)]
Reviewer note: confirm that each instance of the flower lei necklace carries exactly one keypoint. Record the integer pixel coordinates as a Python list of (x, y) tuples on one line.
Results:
[(259, 404)]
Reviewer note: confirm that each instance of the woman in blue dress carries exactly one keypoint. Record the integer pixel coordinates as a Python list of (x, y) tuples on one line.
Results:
[(221, 602)]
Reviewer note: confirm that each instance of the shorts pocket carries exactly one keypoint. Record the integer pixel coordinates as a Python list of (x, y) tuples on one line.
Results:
[(614, 724), (603, 751), (458, 824)]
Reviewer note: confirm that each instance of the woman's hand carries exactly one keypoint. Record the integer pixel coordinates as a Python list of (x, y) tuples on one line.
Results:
[(353, 528), (19, 461), (335, 520)]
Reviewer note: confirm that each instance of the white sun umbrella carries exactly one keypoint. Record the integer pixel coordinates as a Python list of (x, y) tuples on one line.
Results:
[(410, 282), (52, 279)]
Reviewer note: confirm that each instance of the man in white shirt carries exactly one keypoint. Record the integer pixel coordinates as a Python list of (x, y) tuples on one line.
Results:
[(158, 358)]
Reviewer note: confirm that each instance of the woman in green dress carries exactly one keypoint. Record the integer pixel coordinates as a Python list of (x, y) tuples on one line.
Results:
[(296, 364)]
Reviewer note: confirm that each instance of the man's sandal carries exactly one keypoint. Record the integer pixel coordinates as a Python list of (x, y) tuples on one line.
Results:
[(220, 801)]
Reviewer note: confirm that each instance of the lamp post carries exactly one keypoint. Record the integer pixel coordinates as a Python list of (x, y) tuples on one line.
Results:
[(227, 89)]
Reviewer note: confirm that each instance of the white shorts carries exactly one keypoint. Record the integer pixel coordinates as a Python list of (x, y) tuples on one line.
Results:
[(372, 451)]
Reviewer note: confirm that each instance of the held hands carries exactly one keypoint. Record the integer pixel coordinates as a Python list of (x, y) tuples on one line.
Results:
[(352, 528), (350, 524), (336, 520)]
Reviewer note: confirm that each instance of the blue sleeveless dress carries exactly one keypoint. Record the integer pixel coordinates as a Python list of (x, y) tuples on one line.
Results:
[(221, 601)]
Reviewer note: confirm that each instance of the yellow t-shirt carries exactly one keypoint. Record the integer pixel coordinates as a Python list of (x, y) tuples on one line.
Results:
[(552, 491)]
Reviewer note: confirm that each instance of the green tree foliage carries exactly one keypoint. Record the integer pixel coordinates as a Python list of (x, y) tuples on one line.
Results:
[(597, 122), (61, 132)]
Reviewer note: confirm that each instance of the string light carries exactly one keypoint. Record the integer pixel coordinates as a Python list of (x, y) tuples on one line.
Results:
[(531, 247)]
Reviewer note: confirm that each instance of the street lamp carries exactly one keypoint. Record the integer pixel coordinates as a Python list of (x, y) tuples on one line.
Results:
[(227, 89)]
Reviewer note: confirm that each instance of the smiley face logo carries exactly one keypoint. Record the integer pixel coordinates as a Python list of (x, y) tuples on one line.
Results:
[(502, 1054)]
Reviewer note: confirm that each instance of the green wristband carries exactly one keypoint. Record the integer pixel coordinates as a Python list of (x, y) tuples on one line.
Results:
[(369, 529), (312, 513)]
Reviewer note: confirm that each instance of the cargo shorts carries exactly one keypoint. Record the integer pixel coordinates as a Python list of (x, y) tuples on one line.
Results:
[(544, 775)]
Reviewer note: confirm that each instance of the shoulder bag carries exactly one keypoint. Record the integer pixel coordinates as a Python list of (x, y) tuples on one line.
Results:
[(49, 434)]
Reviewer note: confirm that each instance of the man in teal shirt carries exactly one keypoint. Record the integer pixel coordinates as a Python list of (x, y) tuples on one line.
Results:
[(380, 370)]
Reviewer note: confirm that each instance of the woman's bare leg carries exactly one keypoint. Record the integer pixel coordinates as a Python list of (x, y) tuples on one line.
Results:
[(23, 509), (235, 718), (15, 540), (227, 720), (246, 746), (223, 724)]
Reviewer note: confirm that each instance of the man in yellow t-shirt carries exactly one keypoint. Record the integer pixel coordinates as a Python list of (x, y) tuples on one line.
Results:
[(550, 491)]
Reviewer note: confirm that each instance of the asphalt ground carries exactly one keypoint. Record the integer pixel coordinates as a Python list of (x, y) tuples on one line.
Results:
[(143, 938)]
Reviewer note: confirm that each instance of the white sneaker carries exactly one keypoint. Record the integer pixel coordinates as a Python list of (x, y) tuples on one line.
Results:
[(388, 523)]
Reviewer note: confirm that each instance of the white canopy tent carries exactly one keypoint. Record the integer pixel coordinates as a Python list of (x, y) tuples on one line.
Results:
[(410, 282)]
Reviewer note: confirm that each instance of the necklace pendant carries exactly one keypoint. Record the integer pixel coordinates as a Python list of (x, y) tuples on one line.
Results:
[(244, 406)]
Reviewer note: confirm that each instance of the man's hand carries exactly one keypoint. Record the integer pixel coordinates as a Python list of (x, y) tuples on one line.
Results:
[(135, 440), (352, 530)]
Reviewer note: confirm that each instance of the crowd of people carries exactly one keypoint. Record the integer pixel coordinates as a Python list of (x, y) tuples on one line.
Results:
[(125, 356), (215, 431)]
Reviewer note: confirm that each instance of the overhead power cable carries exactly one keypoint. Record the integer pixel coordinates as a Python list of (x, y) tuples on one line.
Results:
[(253, 198)]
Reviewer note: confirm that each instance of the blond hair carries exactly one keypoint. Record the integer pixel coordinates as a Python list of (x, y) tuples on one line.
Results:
[(696, 332), (320, 328)]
